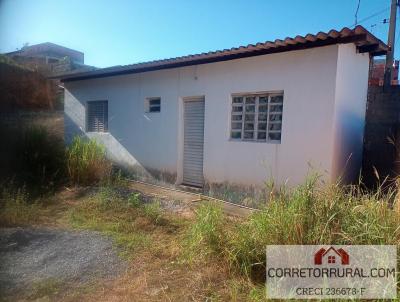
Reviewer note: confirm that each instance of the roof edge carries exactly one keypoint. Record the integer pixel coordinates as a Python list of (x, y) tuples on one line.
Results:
[(364, 40)]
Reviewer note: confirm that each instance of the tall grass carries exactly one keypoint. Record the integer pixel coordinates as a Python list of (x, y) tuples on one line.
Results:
[(309, 214), (205, 235), (16, 208), (86, 162), (31, 157)]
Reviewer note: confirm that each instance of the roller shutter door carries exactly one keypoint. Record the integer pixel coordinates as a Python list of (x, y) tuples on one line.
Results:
[(193, 142)]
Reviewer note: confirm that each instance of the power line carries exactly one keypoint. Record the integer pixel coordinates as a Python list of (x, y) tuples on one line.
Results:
[(371, 16), (355, 15)]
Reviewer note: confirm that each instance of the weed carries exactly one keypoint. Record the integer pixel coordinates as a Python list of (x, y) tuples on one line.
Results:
[(205, 235), (86, 162), (134, 200), (15, 208), (111, 213), (33, 158), (153, 211), (308, 214), (114, 179), (257, 293)]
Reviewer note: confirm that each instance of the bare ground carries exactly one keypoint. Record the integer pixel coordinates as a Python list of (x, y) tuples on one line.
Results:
[(51, 261), (30, 256)]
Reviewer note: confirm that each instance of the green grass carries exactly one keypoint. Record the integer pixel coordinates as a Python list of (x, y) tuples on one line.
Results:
[(205, 235), (308, 214), (86, 162), (124, 218), (153, 212)]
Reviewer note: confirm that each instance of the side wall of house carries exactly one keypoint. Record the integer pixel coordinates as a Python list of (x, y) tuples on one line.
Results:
[(153, 141), (350, 108), (144, 142)]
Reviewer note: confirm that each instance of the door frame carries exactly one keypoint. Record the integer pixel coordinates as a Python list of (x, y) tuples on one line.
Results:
[(181, 134)]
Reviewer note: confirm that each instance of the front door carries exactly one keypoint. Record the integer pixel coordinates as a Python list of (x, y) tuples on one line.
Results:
[(193, 142)]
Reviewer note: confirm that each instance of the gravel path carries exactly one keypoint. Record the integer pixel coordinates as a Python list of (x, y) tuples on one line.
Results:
[(30, 255)]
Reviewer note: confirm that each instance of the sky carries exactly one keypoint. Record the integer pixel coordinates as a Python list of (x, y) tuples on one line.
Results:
[(120, 32)]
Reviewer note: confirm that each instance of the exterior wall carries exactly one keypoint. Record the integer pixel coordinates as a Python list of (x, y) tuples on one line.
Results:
[(350, 108), (381, 155), (154, 140), (135, 138)]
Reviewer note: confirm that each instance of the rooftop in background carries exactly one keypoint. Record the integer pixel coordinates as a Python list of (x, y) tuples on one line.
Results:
[(49, 50), (377, 72), (50, 59), (365, 41)]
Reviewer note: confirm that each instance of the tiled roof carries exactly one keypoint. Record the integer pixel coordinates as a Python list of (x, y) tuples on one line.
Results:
[(363, 39)]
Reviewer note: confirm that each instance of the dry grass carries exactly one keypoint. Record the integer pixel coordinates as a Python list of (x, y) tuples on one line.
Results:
[(211, 257), (16, 209), (152, 241)]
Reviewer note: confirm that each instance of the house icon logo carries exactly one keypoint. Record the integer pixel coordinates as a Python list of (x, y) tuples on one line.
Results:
[(330, 256)]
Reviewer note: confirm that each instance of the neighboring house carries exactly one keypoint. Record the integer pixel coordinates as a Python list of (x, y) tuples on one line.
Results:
[(377, 72), (50, 59), (244, 115)]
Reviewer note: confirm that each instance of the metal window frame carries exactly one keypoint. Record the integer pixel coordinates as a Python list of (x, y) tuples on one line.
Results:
[(104, 116), (268, 122), (149, 106)]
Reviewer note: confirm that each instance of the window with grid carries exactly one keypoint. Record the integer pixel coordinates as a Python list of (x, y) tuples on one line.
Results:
[(331, 259), (97, 116), (257, 117), (153, 104)]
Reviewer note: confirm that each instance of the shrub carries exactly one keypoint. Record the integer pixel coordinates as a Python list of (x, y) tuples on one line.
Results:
[(33, 158), (86, 162)]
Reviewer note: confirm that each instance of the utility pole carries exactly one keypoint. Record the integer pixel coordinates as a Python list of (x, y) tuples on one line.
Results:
[(391, 37)]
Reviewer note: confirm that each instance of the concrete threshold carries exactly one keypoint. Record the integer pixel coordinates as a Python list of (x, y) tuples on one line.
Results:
[(191, 198)]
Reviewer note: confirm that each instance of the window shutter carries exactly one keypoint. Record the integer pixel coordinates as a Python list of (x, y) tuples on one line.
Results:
[(97, 116)]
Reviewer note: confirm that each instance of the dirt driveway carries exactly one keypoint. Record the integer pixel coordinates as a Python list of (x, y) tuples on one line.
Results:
[(32, 256)]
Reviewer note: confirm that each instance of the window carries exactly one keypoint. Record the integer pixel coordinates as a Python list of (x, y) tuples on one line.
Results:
[(153, 105), (257, 117), (331, 259), (97, 116)]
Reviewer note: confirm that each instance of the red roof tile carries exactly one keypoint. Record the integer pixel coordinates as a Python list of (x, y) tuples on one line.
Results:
[(364, 40)]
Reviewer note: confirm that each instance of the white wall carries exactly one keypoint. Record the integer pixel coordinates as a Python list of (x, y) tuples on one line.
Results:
[(154, 140), (350, 108), (145, 139)]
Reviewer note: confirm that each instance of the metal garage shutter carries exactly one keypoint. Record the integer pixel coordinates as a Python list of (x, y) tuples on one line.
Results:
[(193, 142)]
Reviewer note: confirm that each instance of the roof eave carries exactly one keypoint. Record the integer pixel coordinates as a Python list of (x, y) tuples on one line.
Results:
[(364, 41)]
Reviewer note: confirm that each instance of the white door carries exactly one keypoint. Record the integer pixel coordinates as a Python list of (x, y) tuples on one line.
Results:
[(193, 142)]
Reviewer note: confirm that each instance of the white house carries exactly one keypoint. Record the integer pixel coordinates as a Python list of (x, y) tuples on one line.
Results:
[(241, 116)]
